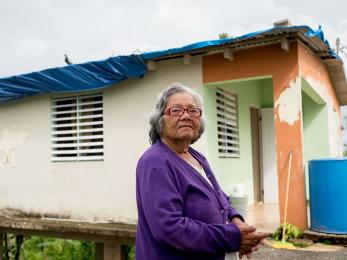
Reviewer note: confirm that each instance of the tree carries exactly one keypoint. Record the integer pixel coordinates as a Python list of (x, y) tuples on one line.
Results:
[(224, 35)]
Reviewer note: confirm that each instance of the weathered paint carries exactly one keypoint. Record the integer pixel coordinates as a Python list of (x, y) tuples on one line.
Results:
[(316, 74), (287, 70), (10, 141), (288, 103), (283, 66), (312, 68)]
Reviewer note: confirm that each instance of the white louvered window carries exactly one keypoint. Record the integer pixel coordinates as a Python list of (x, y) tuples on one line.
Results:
[(227, 124), (77, 128)]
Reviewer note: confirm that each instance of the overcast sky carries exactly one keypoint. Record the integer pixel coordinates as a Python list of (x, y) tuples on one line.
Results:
[(35, 34)]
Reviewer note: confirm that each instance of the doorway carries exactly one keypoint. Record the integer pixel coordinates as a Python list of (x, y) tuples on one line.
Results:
[(264, 162), (256, 161), (269, 157)]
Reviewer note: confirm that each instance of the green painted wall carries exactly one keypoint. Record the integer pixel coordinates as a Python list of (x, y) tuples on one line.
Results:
[(315, 127), (266, 93), (235, 171)]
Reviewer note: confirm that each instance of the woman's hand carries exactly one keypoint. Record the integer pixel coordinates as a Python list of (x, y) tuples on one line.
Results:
[(250, 239)]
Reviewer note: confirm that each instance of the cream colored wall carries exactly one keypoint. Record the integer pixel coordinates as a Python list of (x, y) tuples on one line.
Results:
[(97, 191)]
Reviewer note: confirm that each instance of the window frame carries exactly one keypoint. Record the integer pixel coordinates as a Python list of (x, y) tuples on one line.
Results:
[(77, 128), (227, 123)]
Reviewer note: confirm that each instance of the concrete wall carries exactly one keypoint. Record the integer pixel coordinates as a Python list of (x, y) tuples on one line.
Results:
[(100, 190)]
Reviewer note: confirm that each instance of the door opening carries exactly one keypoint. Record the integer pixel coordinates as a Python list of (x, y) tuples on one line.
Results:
[(256, 158), (268, 156)]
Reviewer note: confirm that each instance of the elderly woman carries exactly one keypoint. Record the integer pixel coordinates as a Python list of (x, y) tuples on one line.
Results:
[(182, 211)]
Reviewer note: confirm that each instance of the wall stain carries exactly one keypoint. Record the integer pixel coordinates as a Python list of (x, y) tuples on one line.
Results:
[(10, 141)]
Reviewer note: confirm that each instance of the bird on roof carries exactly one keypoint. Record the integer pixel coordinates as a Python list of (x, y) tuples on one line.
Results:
[(67, 60)]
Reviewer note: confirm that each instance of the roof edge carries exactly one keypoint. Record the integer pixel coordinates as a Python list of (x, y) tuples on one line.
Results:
[(303, 31), (338, 78)]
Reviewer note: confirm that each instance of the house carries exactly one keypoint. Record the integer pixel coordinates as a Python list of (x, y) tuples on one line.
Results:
[(70, 137)]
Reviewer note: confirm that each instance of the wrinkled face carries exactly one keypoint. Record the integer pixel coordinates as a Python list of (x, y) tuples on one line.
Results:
[(184, 127)]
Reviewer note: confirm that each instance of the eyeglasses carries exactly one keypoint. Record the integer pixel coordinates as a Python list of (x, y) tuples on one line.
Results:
[(178, 111)]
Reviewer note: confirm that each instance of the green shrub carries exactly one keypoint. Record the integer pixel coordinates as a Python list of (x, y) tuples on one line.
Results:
[(291, 232), (37, 248), (129, 252)]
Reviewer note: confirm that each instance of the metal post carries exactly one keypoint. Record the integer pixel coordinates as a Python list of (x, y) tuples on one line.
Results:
[(108, 251)]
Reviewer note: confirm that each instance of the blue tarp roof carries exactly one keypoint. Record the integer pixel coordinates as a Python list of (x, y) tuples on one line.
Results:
[(72, 78), (199, 45), (100, 74)]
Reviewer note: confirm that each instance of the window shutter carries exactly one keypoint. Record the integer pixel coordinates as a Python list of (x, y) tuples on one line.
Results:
[(227, 124), (77, 128)]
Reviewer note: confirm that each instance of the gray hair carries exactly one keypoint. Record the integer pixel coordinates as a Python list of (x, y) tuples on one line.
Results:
[(156, 119)]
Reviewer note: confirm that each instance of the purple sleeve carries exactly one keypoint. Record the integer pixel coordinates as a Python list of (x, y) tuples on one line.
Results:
[(162, 206), (231, 211)]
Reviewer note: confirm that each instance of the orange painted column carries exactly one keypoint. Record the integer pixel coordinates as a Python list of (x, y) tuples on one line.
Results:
[(289, 138), (283, 67)]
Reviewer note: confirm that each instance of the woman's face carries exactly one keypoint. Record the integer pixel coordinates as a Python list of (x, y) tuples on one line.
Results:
[(184, 127)]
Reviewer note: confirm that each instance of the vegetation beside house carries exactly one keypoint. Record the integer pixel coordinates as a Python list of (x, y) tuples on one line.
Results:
[(36, 248)]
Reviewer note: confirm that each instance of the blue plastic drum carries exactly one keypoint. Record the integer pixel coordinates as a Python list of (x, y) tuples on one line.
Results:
[(328, 195)]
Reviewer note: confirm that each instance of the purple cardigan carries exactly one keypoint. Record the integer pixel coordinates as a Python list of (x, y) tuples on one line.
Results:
[(180, 215)]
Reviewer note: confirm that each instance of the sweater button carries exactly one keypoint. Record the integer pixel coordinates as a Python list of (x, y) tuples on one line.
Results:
[(222, 211)]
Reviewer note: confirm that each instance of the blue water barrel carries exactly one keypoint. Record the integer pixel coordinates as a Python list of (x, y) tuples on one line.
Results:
[(328, 195)]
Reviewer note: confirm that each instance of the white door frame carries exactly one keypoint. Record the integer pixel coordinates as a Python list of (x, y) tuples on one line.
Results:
[(269, 156)]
